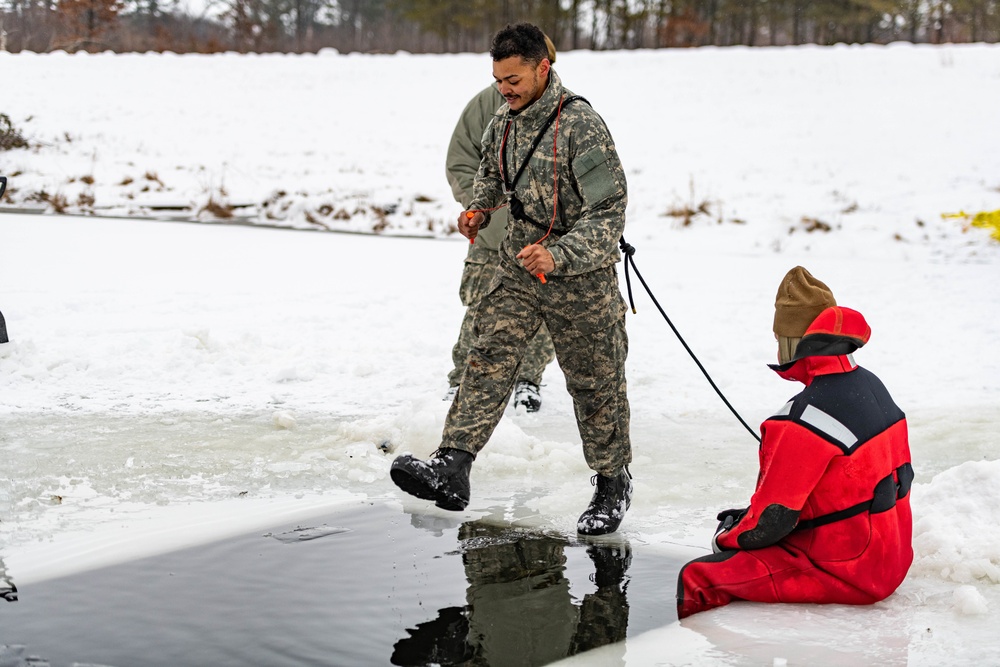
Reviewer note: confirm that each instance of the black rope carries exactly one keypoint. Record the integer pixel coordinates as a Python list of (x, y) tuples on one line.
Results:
[(628, 251)]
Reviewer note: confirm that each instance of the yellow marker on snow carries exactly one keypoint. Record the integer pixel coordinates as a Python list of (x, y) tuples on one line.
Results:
[(984, 220)]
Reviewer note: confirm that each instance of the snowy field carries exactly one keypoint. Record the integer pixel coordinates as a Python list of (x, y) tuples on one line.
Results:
[(167, 384)]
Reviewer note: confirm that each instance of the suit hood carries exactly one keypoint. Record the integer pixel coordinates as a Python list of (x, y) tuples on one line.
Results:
[(836, 331)]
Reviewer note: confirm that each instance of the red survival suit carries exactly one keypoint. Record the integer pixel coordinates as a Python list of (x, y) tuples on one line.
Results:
[(829, 521)]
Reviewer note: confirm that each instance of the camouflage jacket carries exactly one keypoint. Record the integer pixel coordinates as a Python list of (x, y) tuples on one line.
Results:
[(592, 191)]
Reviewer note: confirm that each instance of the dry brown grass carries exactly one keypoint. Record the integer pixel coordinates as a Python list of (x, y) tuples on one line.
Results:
[(815, 225), (381, 221), (313, 220), (10, 136), (58, 203), (686, 213), (220, 211)]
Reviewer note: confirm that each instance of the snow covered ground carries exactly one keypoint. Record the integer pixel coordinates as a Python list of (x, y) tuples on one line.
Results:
[(170, 383)]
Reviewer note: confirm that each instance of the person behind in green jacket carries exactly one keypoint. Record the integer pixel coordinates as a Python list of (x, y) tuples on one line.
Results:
[(550, 158), (465, 152)]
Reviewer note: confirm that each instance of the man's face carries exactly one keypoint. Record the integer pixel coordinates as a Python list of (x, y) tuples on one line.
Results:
[(520, 82)]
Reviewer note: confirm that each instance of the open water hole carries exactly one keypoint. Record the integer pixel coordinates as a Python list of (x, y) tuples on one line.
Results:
[(368, 586)]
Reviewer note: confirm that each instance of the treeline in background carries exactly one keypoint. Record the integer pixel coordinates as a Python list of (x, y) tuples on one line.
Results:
[(438, 26)]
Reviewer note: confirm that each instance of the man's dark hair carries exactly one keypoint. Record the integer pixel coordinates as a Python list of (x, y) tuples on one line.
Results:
[(521, 39)]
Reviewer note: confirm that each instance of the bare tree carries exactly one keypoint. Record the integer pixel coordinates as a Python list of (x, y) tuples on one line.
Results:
[(82, 24)]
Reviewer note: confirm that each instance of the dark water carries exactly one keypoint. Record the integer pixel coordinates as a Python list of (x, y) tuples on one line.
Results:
[(375, 586)]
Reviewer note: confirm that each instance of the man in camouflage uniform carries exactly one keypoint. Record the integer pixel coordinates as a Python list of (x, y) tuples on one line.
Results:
[(465, 152), (519, 606), (574, 188)]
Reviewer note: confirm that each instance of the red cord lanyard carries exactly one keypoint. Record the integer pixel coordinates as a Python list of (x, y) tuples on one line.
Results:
[(508, 187), (500, 160)]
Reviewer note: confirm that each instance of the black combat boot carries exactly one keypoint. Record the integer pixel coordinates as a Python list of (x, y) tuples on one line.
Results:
[(528, 395), (612, 497), (611, 563), (443, 478)]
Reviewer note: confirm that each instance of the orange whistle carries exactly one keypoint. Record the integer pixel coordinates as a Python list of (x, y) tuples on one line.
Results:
[(541, 276)]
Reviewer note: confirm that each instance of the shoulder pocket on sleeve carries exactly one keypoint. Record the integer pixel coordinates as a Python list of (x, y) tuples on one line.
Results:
[(594, 176)]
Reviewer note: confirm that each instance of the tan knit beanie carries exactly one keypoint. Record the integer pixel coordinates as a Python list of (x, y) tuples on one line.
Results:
[(801, 297), (552, 49)]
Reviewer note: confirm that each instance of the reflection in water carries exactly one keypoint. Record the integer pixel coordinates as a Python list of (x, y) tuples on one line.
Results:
[(8, 591), (519, 609)]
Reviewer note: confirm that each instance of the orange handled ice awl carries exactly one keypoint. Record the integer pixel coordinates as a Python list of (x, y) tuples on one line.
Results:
[(470, 215), (540, 276)]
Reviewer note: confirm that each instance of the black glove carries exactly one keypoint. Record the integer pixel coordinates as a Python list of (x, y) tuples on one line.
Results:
[(735, 513), (727, 519)]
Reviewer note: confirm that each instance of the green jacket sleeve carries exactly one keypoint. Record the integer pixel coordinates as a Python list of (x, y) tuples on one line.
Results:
[(488, 187), (465, 149), (599, 178)]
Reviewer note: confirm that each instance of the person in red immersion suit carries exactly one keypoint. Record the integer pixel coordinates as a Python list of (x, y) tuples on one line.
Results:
[(829, 521)]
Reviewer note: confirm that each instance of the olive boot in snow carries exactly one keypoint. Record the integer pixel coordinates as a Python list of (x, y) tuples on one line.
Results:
[(612, 498), (443, 478)]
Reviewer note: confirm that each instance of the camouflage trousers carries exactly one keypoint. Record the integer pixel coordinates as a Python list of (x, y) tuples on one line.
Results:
[(476, 278), (585, 316)]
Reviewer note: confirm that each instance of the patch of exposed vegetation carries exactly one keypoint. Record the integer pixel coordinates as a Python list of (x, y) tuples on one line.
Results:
[(86, 200), (216, 209), (813, 225), (686, 213), (697, 207), (10, 136)]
